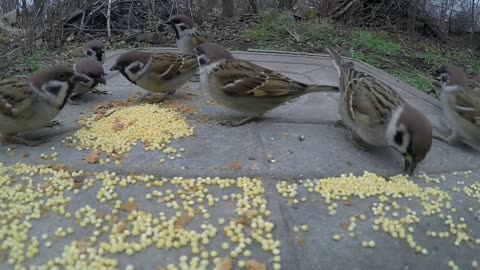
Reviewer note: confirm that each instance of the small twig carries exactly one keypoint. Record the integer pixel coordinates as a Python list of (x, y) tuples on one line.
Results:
[(295, 35), (109, 10)]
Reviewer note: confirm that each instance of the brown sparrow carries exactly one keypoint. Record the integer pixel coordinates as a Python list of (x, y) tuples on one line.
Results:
[(376, 115), (29, 104), (461, 107), (95, 49), (246, 87), (93, 70), (91, 49), (156, 72), (187, 36)]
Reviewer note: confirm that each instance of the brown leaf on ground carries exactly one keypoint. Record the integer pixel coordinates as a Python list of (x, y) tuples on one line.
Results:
[(121, 226), (243, 220), (284, 133), (254, 265), (118, 126), (77, 182), (202, 120), (60, 167), (225, 264), (182, 221), (347, 203), (345, 226), (93, 158), (113, 220), (236, 165), (83, 245), (301, 241), (129, 206), (181, 107), (3, 256), (26, 155)]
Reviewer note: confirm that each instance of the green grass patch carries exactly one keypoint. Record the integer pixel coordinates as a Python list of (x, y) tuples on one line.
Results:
[(4, 39), (415, 78), (375, 42), (31, 62), (278, 30), (433, 57)]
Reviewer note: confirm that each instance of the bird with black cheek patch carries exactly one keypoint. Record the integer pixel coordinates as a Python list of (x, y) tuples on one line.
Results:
[(94, 49), (156, 72), (460, 106), (376, 115), (187, 36), (27, 104), (92, 70), (246, 87)]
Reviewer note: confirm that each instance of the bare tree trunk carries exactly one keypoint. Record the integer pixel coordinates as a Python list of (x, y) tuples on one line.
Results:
[(25, 8), (228, 8), (412, 14), (472, 28), (253, 4), (109, 11), (324, 8), (285, 4)]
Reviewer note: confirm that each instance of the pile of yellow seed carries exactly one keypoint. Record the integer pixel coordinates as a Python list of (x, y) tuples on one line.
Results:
[(387, 214), (121, 128), (32, 192)]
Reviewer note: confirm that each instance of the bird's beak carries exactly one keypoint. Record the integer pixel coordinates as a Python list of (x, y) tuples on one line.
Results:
[(168, 23), (410, 165), (102, 81)]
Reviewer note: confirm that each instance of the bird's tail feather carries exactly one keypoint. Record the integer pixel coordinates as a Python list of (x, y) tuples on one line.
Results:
[(337, 58), (322, 88)]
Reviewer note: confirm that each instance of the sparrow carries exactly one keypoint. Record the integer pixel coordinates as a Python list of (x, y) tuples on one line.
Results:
[(27, 104), (156, 72), (246, 87), (93, 70), (95, 49), (460, 106), (92, 49), (376, 115), (187, 36)]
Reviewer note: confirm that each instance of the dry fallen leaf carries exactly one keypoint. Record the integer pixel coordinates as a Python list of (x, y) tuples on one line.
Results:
[(284, 133), (129, 206), (182, 221), (3, 256), (244, 221), (301, 241), (121, 226), (118, 126), (77, 182), (225, 264), (254, 265), (236, 165), (348, 203), (83, 245), (93, 158), (345, 226)]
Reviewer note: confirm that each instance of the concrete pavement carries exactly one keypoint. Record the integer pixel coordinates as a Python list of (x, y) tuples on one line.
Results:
[(295, 142)]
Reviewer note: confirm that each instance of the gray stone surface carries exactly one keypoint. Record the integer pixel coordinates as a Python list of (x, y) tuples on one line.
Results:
[(271, 149)]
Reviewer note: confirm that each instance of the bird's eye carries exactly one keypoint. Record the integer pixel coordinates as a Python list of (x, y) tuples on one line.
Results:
[(62, 77), (89, 53), (202, 61), (183, 27), (199, 51)]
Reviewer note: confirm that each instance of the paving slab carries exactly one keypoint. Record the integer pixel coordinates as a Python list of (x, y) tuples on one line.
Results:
[(298, 140)]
